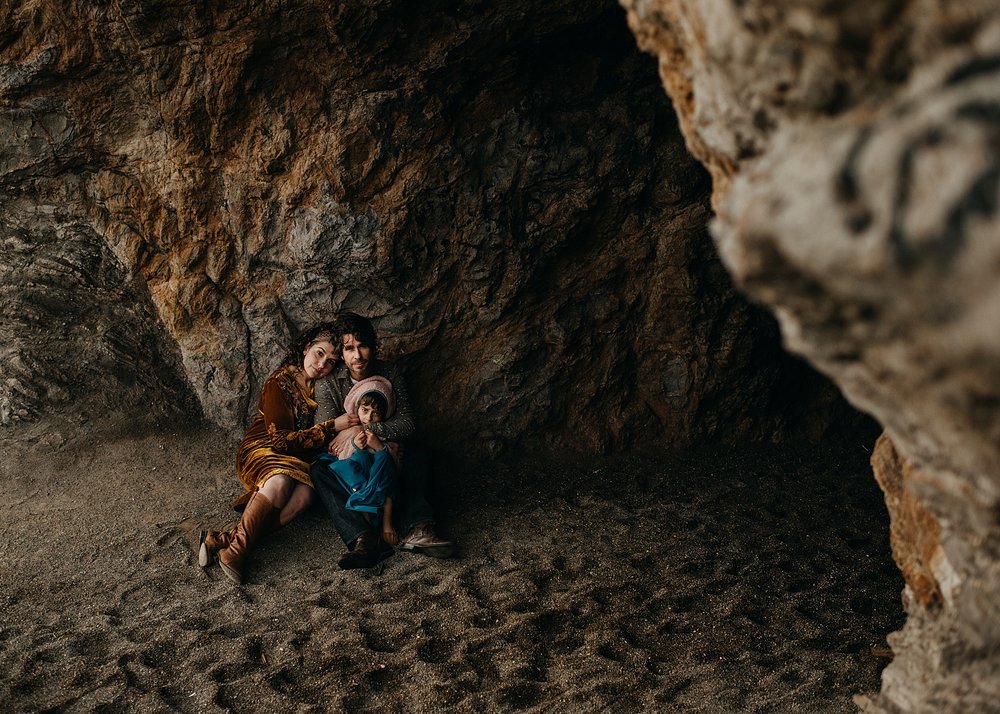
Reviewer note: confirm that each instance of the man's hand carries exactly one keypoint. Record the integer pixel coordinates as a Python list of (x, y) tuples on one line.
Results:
[(346, 421)]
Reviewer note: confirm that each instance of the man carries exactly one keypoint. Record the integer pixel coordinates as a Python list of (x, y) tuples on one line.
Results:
[(359, 347)]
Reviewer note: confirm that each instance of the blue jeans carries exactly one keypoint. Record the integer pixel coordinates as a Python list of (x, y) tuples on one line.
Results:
[(410, 504)]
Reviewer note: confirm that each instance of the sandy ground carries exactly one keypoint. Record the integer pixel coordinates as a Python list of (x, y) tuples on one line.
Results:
[(752, 579)]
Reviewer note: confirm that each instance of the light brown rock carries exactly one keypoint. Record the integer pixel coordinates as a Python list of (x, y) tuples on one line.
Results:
[(503, 189), (915, 533), (856, 156)]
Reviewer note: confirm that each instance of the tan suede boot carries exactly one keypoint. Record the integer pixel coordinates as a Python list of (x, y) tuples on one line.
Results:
[(260, 517), (212, 542)]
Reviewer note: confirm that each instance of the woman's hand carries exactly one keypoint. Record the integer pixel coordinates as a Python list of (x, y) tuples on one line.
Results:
[(345, 421)]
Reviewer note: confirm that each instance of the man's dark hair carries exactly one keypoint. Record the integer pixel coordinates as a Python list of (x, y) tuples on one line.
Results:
[(360, 327)]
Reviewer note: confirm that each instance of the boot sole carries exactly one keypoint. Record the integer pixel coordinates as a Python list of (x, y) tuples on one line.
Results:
[(384, 552), (433, 551), (231, 573), (204, 557)]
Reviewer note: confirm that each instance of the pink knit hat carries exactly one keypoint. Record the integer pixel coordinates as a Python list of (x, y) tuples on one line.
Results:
[(381, 385)]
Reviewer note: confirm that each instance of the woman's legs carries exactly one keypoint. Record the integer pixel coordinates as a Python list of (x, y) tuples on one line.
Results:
[(260, 517), (289, 496), (278, 489), (297, 503), (276, 503)]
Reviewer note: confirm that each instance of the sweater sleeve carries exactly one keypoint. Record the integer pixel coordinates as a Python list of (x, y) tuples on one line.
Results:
[(328, 406), (280, 423), (401, 425)]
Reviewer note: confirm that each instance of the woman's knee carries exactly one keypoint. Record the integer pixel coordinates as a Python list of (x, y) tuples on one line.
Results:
[(279, 489), (298, 502), (302, 496)]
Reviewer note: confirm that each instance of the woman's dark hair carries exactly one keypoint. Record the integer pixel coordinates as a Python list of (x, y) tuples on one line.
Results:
[(320, 332), (361, 328), (376, 401)]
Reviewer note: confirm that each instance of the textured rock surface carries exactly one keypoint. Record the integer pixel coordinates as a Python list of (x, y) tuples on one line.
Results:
[(76, 330), (856, 155), (503, 189), (915, 534)]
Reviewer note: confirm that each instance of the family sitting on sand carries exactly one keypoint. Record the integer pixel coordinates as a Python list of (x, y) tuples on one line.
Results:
[(336, 430)]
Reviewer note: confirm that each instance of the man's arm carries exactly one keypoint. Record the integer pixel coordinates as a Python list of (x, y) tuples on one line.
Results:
[(330, 393), (401, 425), (329, 400)]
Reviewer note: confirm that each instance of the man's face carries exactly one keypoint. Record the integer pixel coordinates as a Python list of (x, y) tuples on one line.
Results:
[(357, 356)]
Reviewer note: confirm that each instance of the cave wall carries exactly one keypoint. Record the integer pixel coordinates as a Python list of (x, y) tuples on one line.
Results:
[(503, 190), (855, 155)]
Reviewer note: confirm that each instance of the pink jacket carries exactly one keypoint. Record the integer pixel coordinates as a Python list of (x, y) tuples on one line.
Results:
[(342, 445)]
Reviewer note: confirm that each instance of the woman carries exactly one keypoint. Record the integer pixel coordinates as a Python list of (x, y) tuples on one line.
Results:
[(274, 457)]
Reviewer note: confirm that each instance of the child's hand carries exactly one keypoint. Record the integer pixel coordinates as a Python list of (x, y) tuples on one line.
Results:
[(361, 439), (374, 442), (389, 534)]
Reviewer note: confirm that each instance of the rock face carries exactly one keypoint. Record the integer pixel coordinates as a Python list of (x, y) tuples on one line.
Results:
[(915, 534), (855, 152), (504, 190)]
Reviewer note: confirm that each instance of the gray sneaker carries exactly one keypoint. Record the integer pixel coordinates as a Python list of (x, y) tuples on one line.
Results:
[(422, 539)]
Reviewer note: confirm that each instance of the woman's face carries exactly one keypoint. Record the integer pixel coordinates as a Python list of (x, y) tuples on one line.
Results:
[(319, 359), (367, 415)]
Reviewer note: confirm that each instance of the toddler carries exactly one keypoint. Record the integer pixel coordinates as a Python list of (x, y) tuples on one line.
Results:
[(364, 465)]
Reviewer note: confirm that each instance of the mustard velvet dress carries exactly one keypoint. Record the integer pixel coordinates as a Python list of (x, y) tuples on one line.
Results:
[(282, 438)]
